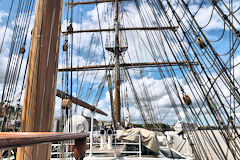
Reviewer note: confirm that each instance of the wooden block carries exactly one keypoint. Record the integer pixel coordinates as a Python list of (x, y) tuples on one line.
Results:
[(66, 104), (79, 149)]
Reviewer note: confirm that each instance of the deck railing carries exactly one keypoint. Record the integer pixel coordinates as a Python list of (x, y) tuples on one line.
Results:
[(105, 150), (115, 143)]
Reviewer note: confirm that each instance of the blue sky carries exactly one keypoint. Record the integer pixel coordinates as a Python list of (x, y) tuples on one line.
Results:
[(139, 50)]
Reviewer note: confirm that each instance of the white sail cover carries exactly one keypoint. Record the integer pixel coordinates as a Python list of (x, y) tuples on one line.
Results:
[(148, 138), (79, 124)]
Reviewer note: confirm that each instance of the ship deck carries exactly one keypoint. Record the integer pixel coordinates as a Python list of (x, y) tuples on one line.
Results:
[(114, 152)]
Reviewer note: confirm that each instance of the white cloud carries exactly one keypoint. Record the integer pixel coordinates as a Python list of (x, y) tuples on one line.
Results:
[(8, 35), (3, 66), (2, 15)]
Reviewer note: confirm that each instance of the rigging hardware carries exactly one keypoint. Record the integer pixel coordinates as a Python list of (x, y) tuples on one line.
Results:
[(187, 99), (201, 42), (22, 50), (66, 103), (65, 47), (70, 29)]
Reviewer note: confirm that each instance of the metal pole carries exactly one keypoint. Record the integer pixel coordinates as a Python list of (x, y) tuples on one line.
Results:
[(102, 142), (188, 153), (115, 141), (111, 101), (140, 147), (109, 142), (91, 134)]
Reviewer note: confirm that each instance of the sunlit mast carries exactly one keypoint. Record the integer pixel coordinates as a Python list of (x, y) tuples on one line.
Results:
[(117, 66), (40, 92)]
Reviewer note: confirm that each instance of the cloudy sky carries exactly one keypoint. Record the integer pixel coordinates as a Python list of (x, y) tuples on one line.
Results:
[(87, 50)]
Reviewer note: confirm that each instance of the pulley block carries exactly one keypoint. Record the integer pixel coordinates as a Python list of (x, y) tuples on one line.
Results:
[(65, 47), (201, 42), (66, 103), (187, 99), (70, 29), (22, 50)]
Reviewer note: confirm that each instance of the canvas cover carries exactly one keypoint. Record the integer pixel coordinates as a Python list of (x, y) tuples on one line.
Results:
[(79, 124), (148, 138)]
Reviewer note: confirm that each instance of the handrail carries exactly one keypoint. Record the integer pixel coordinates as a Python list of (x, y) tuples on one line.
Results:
[(20, 139)]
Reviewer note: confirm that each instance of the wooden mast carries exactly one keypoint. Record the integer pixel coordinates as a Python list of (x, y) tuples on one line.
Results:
[(40, 93), (129, 65), (117, 66), (122, 29)]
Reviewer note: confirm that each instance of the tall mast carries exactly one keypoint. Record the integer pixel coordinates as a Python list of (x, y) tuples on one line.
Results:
[(117, 66), (40, 92), (116, 48)]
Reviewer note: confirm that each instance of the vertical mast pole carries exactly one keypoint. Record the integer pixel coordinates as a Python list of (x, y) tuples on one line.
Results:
[(40, 92), (117, 66)]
